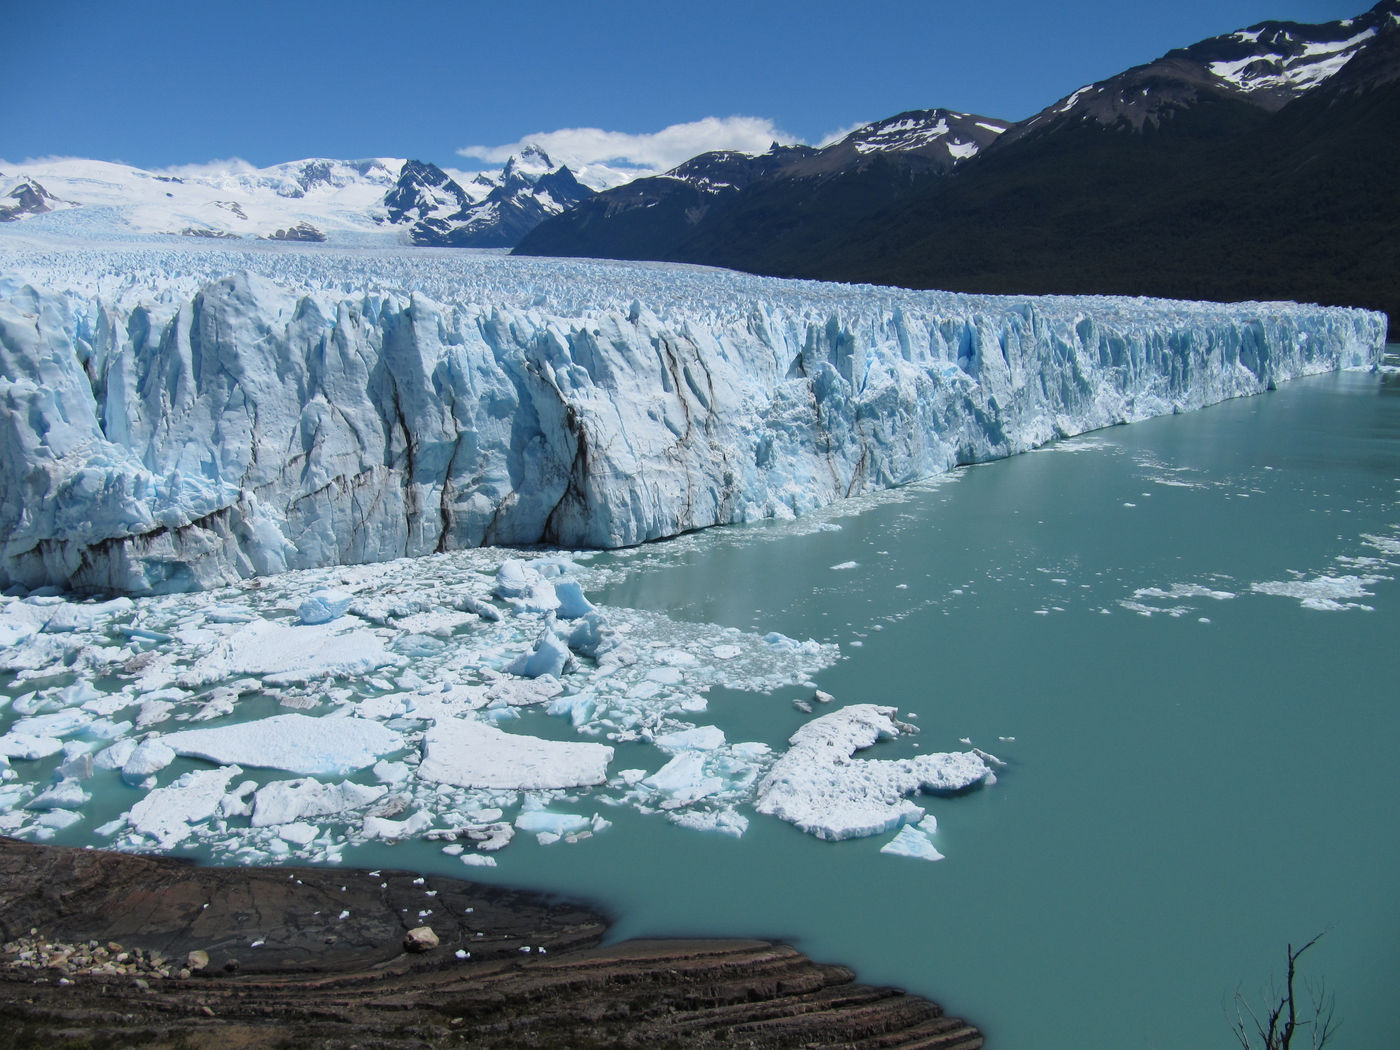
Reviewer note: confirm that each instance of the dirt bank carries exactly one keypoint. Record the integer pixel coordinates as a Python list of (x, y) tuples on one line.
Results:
[(153, 952)]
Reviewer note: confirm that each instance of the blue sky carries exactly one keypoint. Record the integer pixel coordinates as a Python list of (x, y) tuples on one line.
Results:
[(157, 84)]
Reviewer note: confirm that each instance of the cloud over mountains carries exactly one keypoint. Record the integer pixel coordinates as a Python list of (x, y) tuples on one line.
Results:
[(647, 151)]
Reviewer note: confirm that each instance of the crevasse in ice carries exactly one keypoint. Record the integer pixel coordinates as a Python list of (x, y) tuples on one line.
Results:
[(177, 418)]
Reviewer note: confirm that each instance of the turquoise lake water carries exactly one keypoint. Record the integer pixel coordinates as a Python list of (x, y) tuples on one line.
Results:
[(1180, 636), (1185, 794)]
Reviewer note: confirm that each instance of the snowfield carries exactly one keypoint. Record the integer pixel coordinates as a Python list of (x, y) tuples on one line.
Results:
[(178, 416)]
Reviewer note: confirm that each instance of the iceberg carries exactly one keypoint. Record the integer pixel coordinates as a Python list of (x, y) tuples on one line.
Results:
[(472, 754), (818, 786), (327, 746), (169, 814), (912, 840), (218, 414)]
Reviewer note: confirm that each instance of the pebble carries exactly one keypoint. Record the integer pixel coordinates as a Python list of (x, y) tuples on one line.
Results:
[(35, 952)]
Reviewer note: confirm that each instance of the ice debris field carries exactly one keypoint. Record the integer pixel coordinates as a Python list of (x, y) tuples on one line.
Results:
[(315, 445), (177, 416), (293, 716)]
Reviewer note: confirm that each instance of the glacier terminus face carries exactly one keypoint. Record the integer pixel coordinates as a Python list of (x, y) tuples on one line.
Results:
[(177, 417)]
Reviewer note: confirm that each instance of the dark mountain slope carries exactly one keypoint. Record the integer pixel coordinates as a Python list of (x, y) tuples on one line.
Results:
[(1263, 164), (1222, 201), (676, 216)]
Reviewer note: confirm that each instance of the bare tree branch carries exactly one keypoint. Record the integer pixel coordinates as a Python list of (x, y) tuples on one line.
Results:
[(1282, 1022)]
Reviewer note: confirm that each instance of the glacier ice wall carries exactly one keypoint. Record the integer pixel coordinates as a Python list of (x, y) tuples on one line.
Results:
[(177, 419)]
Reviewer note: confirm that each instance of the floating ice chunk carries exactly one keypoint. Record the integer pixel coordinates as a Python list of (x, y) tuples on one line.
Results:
[(476, 860), (845, 566), (66, 794), (295, 743), (27, 746), (1323, 593), (911, 841), (115, 757), (726, 652), (699, 738), (572, 603), (817, 786), (147, 758), (472, 754), (550, 657), (229, 614), (168, 814), (288, 801), (289, 653), (722, 821), (685, 779), (391, 772), (522, 586), (781, 643), (324, 605), (58, 723), (397, 830), (544, 822), (298, 834), (470, 603), (592, 637)]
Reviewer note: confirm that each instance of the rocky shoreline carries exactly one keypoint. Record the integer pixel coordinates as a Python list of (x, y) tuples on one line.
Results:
[(114, 950)]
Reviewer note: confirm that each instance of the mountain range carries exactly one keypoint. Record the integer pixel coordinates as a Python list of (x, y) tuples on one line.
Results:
[(309, 200), (1262, 164)]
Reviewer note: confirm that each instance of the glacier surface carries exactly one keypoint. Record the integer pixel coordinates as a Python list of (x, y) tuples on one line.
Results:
[(176, 417)]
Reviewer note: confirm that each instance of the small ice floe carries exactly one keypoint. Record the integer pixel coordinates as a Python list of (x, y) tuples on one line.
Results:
[(168, 814), (299, 833), (286, 654), (324, 605), (66, 794), (147, 759), (817, 786), (1323, 593), (549, 827), (295, 743), (723, 821), (913, 840), (549, 657), (685, 779), (472, 754), (845, 566), (698, 738), (289, 801), (376, 827)]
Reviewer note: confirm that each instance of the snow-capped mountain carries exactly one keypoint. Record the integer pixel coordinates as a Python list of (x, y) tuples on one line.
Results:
[(384, 199), (491, 211), (1265, 66), (233, 199), (20, 197), (939, 138)]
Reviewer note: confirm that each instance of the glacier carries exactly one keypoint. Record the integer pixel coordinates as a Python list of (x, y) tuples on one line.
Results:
[(176, 417)]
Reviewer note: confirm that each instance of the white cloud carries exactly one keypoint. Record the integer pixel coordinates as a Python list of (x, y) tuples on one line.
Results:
[(230, 166), (651, 152)]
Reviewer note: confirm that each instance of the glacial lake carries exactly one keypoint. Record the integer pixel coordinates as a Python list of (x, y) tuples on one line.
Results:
[(1187, 792), (1181, 638)]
